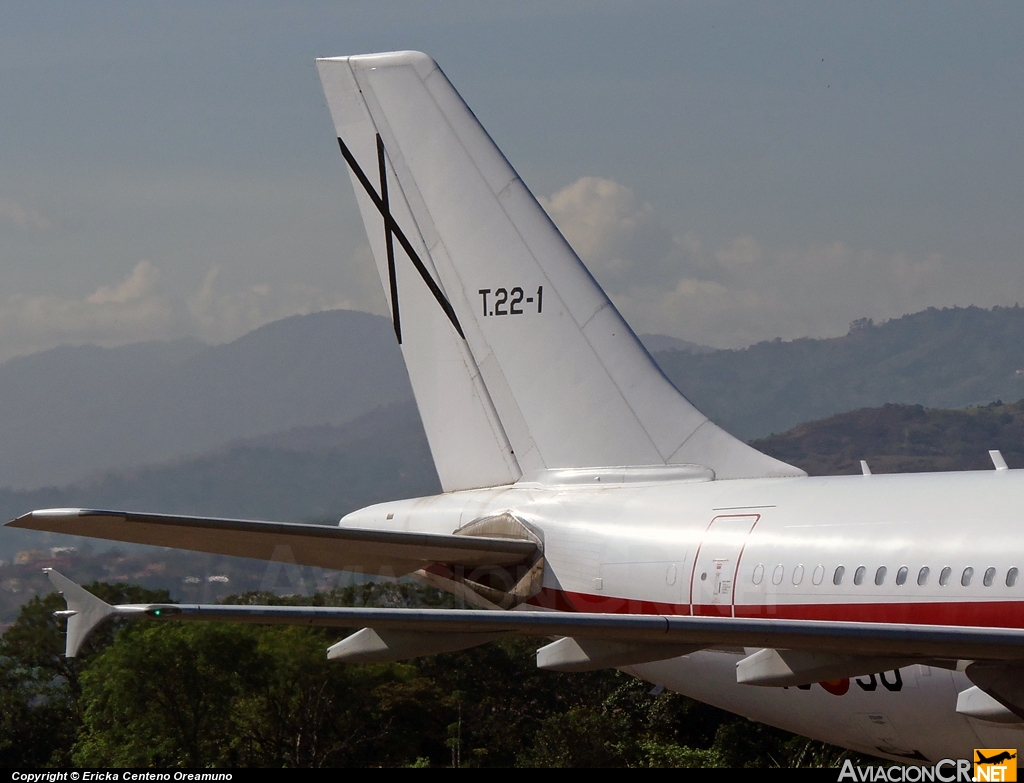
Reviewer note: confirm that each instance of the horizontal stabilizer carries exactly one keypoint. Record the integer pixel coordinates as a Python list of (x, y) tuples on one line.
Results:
[(382, 552)]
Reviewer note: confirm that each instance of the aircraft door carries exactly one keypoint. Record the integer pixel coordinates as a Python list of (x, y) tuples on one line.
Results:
[(712, 582)]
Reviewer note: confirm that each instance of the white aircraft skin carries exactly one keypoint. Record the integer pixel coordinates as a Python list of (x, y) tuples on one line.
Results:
[(883, 603), (643, 549)]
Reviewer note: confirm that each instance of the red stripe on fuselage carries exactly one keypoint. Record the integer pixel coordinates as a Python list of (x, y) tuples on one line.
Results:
[(565, 601), (982, 614)]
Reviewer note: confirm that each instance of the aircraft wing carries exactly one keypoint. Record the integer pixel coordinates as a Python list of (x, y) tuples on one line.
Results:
[(849, 638), (350, 549), (598, 638), (785, 652)]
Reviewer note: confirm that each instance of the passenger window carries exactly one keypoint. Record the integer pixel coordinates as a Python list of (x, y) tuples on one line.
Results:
[(880, 575), (922, 576), (990, 577), (798, 574), (837, 577), (758, 574), (818, 575), (1011, 577), (968, 574), (858, 575), (944, 576), (777, 575), (901, 576)]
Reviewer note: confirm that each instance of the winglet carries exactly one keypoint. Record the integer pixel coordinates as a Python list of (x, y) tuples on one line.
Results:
[(85, 611)]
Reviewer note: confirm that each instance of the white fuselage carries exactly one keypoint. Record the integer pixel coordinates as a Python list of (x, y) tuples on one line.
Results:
[(772, 548)]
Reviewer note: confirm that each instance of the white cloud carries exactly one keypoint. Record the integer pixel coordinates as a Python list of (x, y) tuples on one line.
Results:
[(139, 284), (813, 291), (619, 236), (224, 316), (741, 292), (128, 312), (15, 213), (663, 282), (364, 289), (136, 309)]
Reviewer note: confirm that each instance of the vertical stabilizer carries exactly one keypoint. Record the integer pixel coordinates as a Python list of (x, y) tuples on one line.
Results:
[(518, 360)]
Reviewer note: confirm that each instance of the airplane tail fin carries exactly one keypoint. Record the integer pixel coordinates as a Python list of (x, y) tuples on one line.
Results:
[(518, 360)]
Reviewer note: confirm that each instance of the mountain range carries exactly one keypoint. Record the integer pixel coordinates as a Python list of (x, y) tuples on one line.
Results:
[(74, 412), (77, 413), (310, 417), (949, 358)]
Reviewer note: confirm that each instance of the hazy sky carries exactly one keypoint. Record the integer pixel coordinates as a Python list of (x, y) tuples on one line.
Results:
[(730, 171)]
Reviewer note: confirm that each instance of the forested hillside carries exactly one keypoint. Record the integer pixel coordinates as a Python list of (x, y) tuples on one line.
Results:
[(948, 358), (903, 439)]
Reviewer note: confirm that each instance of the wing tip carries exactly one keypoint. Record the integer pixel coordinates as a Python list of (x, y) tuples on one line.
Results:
[(26, 520)]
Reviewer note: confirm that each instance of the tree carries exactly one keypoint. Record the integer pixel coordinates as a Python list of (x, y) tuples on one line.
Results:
[(162, 696), (39, 687)]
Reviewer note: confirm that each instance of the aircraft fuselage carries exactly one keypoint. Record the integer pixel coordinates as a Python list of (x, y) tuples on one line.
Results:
[(938, 549)]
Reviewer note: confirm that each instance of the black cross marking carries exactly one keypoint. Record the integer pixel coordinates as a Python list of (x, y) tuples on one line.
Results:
[(392, 229), (389, 240)]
